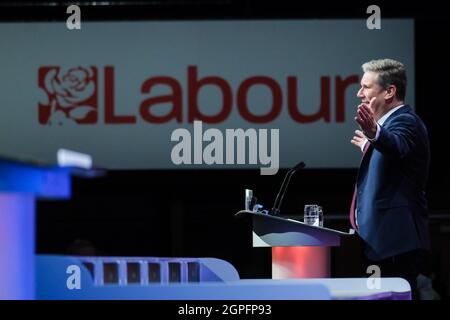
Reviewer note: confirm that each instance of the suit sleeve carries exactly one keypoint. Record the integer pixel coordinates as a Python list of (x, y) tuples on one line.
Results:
[(398, 139)]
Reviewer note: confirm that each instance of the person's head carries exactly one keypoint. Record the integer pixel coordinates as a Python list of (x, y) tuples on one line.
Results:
[(80, 247), (384, 79)]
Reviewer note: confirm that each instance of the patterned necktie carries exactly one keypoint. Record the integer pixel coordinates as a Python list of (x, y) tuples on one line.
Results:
[(353, 205)]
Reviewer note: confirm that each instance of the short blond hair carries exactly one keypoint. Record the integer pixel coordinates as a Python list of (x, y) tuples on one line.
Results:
[(390, 72)]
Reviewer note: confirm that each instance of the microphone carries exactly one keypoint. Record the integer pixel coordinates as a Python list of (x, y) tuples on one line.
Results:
[(277, 205)]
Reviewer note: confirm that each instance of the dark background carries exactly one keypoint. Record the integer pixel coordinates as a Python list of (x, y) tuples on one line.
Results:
[(190, 213)]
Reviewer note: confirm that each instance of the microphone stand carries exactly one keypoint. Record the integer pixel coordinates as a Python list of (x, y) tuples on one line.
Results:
[(279, 199)]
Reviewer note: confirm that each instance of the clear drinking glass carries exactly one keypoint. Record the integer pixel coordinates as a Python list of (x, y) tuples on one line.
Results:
[(312, 215)]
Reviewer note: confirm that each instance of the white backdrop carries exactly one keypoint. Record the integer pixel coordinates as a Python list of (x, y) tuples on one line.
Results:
[(45, 68)]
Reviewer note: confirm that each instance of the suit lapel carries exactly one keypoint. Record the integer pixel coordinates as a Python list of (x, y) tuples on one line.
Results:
[(364, 164), (404, 109), (362, 171)]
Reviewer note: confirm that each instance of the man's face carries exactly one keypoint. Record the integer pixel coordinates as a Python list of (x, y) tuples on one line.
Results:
[(369, 89)]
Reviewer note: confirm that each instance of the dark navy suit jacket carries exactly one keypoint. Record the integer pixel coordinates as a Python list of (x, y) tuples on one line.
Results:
[(392, 208)]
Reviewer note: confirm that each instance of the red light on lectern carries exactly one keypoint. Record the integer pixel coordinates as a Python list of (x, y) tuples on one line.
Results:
[(300, 262)]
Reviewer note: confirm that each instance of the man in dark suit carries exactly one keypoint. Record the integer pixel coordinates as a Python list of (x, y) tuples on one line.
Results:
[(389, 208)]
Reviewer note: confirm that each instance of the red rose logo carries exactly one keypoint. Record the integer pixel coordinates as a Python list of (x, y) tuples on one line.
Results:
[(72, 95)]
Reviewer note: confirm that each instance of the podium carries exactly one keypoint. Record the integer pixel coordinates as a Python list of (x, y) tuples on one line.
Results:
[(299, 250), (21, 183)]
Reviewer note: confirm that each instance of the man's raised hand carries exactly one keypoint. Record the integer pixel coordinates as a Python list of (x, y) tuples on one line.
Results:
[(358, 139), (366, 119)]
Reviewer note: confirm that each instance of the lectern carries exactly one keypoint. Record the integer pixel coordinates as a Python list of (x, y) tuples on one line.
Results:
[(299, 250), (21, 183)]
